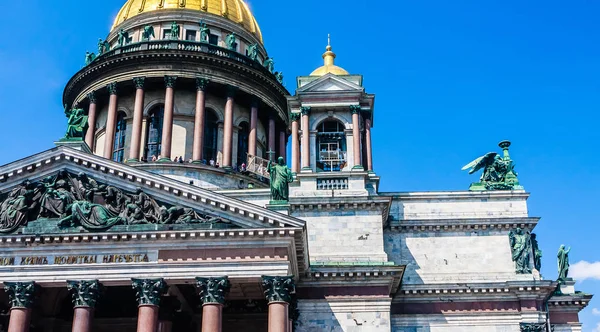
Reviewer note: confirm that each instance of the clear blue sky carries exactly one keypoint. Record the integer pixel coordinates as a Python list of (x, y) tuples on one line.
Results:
[(451, 78)]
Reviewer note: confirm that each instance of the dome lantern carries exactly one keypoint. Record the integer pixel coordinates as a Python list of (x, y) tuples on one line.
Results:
[(328, 63)]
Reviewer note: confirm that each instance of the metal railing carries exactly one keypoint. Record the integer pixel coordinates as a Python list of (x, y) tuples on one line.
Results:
[(258, 166)]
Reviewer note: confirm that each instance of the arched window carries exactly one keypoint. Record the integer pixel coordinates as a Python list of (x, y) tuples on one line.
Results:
[(154, 127), (242, 151), (331, 145), (119, 141), (211, 133)]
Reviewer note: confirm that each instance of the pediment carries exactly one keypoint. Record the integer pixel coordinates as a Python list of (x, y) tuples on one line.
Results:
[(331, 83), (63, 190)]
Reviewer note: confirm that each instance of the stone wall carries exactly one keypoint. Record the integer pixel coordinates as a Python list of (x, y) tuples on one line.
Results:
[(479, 322), (344, 315)]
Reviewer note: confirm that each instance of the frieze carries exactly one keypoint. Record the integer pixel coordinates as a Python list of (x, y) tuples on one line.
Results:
[(77, 259)]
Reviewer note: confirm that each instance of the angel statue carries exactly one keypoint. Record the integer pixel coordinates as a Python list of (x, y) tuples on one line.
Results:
[(498, 172), (148, 33)]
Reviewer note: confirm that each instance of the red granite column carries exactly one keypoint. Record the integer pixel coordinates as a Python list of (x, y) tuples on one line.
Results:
[(148, 293), (368, 144), (89, 136), (295, 143), (282, 145), (305, 137), (212, 292), (228, 128), (20, 298), (253, 124), (278, 291), (84, 295), (271, 143), (355, 109), (111, 121), (138, 115), (201, 85), (167, 133)]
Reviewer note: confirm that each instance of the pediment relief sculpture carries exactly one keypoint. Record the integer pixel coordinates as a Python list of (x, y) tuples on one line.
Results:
[(78, 201)]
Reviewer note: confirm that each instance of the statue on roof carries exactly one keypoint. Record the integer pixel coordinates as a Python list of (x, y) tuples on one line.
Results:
[(537, 252), (77, 123), (279, 77), (89, 58), (103, 46), (520, 244), (123, 38), (563, 263), (253, 52), (269, 64), (174, 30), (498, 172), (204, 32), (148, 33), (281, 177), (230, 41)]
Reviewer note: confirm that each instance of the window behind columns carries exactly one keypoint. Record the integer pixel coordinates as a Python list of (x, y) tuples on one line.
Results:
[(331, 146), (211, 133), (242, 151), (119, 141), (154, 127)]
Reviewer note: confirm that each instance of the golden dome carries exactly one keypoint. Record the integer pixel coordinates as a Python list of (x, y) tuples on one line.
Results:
[(328, 66), (235, 10)]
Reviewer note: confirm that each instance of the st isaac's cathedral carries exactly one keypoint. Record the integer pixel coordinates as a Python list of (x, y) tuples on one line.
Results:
[(169, 204)]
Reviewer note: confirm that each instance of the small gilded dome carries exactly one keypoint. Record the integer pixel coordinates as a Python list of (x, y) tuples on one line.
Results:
[(328, 66), (235, 10)]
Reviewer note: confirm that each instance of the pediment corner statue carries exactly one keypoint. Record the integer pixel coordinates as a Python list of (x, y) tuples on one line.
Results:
[(498, 171), (64, 201), (77, 123), (280, 176)]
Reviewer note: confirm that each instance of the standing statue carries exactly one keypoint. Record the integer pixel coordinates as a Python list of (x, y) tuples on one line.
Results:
[(89, 58), (520, 245), (279, 77), (537, 253), (174, 30), (281, 176), (563, 262), (148, 33), (123, 38), (204, 32), (269, 64), (498, 172), (230, 42), (252, 52), (77, 123)]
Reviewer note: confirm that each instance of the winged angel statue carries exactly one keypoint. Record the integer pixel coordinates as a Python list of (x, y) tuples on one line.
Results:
[(498, 172)]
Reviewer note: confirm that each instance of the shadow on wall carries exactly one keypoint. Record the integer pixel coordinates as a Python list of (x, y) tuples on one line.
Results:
[(398, 252), (321, 319), (411, 329)]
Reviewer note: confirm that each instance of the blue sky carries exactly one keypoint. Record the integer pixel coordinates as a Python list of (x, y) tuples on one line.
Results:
[(451, 78)]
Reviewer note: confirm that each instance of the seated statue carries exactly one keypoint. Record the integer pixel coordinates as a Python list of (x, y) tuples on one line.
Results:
[(77, 124)]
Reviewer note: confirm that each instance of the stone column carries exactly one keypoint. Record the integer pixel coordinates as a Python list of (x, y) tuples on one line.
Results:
[(212, 293), (305, 138), (368, 150), (253, 124), (198, 146), (20, 298), (148, 293), (84, 295), (294, 117), (271, 146), (138, 116), (282, 145), (89, 135), (111, 121), (228, 128), (278, 291), (167, 133), (355, 109)]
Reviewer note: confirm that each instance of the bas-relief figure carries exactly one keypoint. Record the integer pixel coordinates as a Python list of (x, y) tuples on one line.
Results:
[(520, 244), (80, 201), (563, 262), (498, 172), (281, 176)]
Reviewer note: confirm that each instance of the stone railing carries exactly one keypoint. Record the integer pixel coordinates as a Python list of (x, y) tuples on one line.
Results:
[(332, 184)]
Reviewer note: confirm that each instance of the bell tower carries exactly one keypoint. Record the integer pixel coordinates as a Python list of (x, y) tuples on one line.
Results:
[(332, 117)]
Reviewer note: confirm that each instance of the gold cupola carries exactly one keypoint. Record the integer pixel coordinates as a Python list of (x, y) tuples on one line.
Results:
[(329, 66), (234, 10)]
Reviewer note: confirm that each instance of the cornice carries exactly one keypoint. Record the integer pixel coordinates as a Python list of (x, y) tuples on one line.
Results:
[(463, 224), (457, 195)]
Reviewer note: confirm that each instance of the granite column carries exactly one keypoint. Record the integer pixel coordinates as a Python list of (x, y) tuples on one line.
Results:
[(20, 298), (228, 128), (278, 291), (369, 152), (272, 140), (295, 117), (212, 293), (138, 116), (198, 146), (90, 135), (305, 138), (253, 125), (167, 133), (148, 293), (355, 109), (84, 295), (111, 121)]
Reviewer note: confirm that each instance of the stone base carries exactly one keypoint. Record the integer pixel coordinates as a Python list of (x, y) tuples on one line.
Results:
[(306, 170), (77, 144), (358, 168), (282, 207), (567, 286), (478, 186), (165, 160)]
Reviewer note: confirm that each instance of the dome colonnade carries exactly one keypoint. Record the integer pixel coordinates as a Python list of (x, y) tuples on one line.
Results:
[(182, 82)]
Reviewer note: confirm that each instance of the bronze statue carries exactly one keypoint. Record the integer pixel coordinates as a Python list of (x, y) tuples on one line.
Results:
[(563, 262), (520, 245), (498, 172), (253, 52), (279, 77), (89, 58), (537, 253), (230, 41), (204, 32), (77, 124), (174, 30), (123, 38), (269, 64), (148, 33), (281, 177)]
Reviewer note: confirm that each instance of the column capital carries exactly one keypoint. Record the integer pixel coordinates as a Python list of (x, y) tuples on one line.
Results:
[(139, 82), (231, 91), (84, 293), (213, 290), (149, 291), (112, 88), (170, 81), (355, 109), (305, 110), (294, 116), (201, 83), (20, 294), (278, 289), (92, 97)]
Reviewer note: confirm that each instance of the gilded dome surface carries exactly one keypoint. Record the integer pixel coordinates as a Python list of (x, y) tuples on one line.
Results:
[(234, 10), (328, 64)]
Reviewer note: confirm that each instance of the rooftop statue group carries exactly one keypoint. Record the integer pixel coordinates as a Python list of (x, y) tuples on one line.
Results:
[(78, 200), (498, 171)]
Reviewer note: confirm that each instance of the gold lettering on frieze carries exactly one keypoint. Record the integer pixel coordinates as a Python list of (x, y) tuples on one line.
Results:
[(34, 260), (75, 259), (131, 258), (6, 261), (80, 259)]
